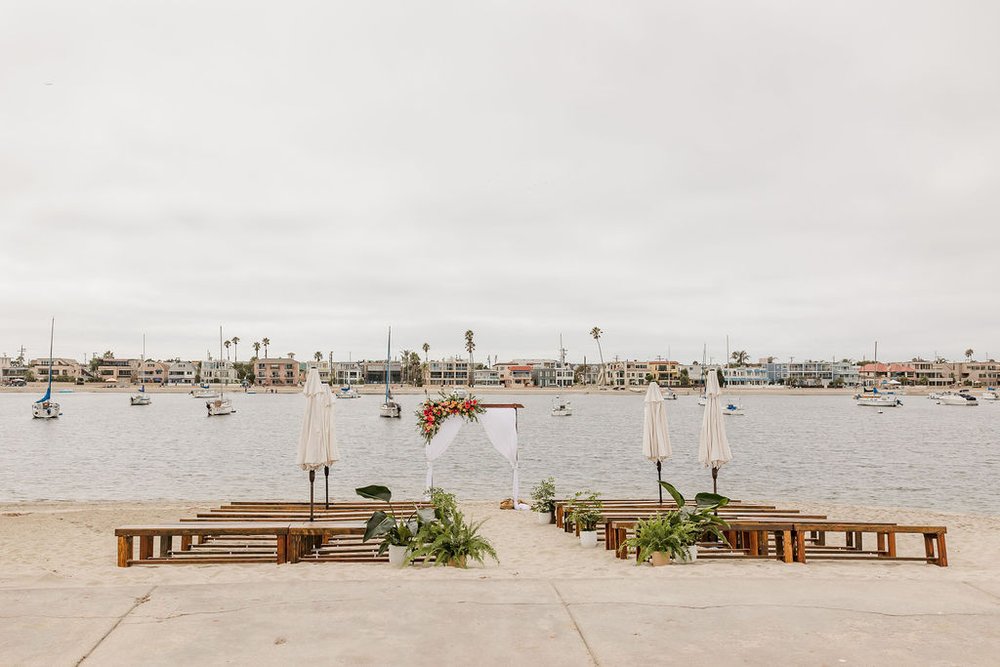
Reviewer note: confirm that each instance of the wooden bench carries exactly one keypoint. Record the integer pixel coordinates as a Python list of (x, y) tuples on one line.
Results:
[(306, 536), (747, 538), (935, 546), (199, 532)]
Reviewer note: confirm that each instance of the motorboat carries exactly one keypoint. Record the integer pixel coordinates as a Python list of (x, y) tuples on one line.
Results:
[(637, 390), (878, 399), (962, 398), (347, 392), (45, 407), (733, 410), (139, 399), (703, 400), (389, 408), (990, 395), (459, 392), (561, 408), (934, 395), (205, 393), (668, 394)]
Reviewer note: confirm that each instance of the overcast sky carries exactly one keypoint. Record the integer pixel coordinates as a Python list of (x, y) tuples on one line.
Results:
[(807, 178)]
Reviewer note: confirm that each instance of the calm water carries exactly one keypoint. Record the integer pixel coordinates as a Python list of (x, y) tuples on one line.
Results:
[(786, 448)]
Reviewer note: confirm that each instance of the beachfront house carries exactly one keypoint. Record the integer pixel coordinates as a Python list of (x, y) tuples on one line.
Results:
[(374, 372), (745, 376), (118, 371), (626, 373), (665, 373), (322, 367), (182, 373), (282, 371), (153, 372), (513, 374), (218, 371), (346, 373), (486, 377), (62, 368), (448, 372)]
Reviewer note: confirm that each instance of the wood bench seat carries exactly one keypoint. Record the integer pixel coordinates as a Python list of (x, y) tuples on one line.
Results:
[(186, 531), (935, 546)]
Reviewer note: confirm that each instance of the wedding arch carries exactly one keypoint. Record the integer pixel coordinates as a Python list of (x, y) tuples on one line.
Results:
[(499, 420)]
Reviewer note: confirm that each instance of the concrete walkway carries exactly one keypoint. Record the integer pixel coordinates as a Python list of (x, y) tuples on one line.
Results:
[(506, 622)]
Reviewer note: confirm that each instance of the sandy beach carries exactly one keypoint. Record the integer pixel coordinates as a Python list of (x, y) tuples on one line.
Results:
[(549, 601)]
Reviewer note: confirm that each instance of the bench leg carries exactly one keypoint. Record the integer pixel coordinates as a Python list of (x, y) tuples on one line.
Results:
[(859, 541), (145, 547), (786, 540), (185, 543), (124, 550), (891, 540), (800, 546), (942, 560), (754, 543), (929, 547), (880, 542), (282, 549)]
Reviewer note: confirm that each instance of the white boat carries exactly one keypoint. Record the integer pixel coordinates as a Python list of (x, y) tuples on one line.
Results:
[(140, 399), (733, 410), (561, 408), (389, 408), (703, 400), (45, 407), (637, 390), (961, 398), (934, 395), (990, 395), (668, 394), (221, 405), (878, 399), (205, 393), (459, 392), (347, 392)]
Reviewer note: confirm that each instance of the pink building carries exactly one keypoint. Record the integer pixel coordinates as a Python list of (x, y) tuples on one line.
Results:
[(277, 372)]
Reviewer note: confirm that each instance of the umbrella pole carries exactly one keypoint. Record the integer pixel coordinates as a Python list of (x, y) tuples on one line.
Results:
[(715, 480), (659, 478), (326, 472), (312, 482)]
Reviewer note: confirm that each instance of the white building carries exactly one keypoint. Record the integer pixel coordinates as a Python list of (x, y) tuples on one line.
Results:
[(218, 371), (322, 366), (182, 373), (745, 376)]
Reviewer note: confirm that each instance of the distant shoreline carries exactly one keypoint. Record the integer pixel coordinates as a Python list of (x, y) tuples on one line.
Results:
[(378, 389)]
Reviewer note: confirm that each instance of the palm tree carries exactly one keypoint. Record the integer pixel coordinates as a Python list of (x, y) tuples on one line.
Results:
[(740, 357), (227, 344), (969, 353), (470, 345), (426, 348), (236, 349), (404, 360), (596, 334), (256, 349), (265, 342), (318, 356)]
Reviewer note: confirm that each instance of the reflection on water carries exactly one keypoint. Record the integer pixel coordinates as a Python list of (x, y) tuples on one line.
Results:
[(785, 448)]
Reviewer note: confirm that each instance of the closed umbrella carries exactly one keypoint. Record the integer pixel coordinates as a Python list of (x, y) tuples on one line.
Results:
[(655, 437), (713, 446), (317, 446)]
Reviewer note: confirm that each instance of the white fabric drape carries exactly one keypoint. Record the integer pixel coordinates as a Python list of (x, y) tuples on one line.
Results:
[(500, 425), (713, 445), (317, 444), (655, 435), (439, 443)]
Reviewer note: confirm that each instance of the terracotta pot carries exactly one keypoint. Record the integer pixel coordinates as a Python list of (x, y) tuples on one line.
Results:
[(659, 558), (544, 517), (457, 562), (397, 555), (588, 538)]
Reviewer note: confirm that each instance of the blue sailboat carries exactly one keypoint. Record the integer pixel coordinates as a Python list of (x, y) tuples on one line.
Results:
[(45, 407)]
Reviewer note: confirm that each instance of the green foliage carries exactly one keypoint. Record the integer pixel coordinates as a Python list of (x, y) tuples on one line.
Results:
[(452, 543), (585, 510), (544, 495), (445, 504), (395, 531), (673, 532)]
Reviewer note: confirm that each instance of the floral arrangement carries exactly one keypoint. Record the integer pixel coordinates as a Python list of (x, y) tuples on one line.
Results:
[(432, 414)]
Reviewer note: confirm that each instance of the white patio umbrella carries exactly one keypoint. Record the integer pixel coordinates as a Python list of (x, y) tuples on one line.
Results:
[(317, 445), (655, 436), (713, 446)]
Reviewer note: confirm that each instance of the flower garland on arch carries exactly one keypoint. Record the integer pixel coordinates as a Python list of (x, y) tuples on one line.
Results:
[(432, 414)]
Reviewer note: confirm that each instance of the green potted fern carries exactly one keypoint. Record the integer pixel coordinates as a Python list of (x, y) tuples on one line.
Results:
[(674, 535), (543, 497), (452, 542)]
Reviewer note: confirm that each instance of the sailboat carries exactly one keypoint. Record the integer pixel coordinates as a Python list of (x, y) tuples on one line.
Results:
[(45, 408), (390, 408), (221, 405), (141, 398)]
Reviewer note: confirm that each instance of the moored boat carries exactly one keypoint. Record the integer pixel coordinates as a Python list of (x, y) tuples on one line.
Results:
[(561, 408), (733, 410), (389, 408), (45, 407), (878, 399), (221, 405), (990, 395), (347, 392), (958, 398)]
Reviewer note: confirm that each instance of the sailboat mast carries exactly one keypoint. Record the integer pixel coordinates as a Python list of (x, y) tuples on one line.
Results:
[(52, 336), (388, 348), (225, 375)]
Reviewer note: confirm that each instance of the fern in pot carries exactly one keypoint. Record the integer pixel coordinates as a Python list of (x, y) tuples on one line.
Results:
[(399, 534), (543, 497), (452, 542), (585, 514), (695, 524)]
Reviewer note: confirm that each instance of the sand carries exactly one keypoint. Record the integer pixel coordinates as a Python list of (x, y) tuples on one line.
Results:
[(549, 601)]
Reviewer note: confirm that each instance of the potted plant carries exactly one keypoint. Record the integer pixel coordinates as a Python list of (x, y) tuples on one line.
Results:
[(543, 497), (452, 542), (695, 524), (398, 534), (662, 537), (585, 514)]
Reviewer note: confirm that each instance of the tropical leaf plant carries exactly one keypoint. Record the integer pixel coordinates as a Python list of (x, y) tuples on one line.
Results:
[(453, 542), (394, 530)]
